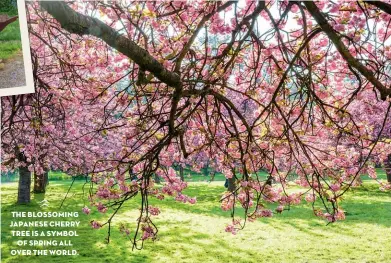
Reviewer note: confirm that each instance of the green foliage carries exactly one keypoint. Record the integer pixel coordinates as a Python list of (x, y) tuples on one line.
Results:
[(9, 177), (10, 42), (11, 32), (8, 7), (8, 49), (195, 233)]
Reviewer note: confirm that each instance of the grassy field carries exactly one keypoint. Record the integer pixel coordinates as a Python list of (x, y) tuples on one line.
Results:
[(190, 176), (195, 233), (10, 43)]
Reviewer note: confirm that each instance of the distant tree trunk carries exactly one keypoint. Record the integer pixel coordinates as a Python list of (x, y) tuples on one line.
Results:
[(387, 167), (132, 175), (206, 170), (232, 182), (181, 173), (40, 182), (24, 185), (269, 180), (46, 178), (156, 178)]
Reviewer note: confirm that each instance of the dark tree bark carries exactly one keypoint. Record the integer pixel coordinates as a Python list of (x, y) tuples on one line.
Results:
[(132, 175), (40, 182), (269, 180), (46, 178), (5, 21), (24, 185), (80, 24), (387, 167), (206, 171), (181, 173), (381, 5), (232, 182)]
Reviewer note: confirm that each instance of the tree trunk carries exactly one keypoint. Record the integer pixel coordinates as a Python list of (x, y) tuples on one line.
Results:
[(387, 167), (5, 21), (181, 173), (40, 182), (206, 169), (132, 175), (24, 185), (269, 180), (46, 178), (232, 182)]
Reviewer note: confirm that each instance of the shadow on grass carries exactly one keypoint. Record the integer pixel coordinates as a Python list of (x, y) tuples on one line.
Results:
[(178, 239)]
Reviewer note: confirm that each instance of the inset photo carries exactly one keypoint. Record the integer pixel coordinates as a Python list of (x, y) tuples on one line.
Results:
[(15, 59)]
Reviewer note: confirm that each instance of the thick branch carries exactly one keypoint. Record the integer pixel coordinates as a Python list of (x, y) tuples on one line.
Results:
[(381, 5), (80, 24), (5, 21), (343, 50)]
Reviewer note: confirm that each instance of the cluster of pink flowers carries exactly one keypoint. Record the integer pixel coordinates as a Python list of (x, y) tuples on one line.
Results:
[(279, 209), (173, 186), (106, 192), (264, 213), (234, 227), (153, 210), (231, 229), (227, 201), (292, 199), (245, 197), (95, 224), (371, 172), (385, 186), (310, 197), (335, 187), (272, 194), (260, 212), (184, 198), (338, 215), (101, 207), (86, 210), (148, 232)]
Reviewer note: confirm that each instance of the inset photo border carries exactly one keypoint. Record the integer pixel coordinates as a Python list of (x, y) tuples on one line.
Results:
[(13, 74)]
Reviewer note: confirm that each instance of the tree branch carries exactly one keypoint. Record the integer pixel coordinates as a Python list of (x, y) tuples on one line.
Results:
[(343, 50), (381, 5), (80, 24)]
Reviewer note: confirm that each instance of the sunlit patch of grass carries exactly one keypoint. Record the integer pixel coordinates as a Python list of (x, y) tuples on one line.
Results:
[(11, 32), (10, 42), (9, 49), (195, 233)]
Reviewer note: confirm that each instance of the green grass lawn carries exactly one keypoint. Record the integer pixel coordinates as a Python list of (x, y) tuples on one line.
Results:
[(10, 42), (195, 233)]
